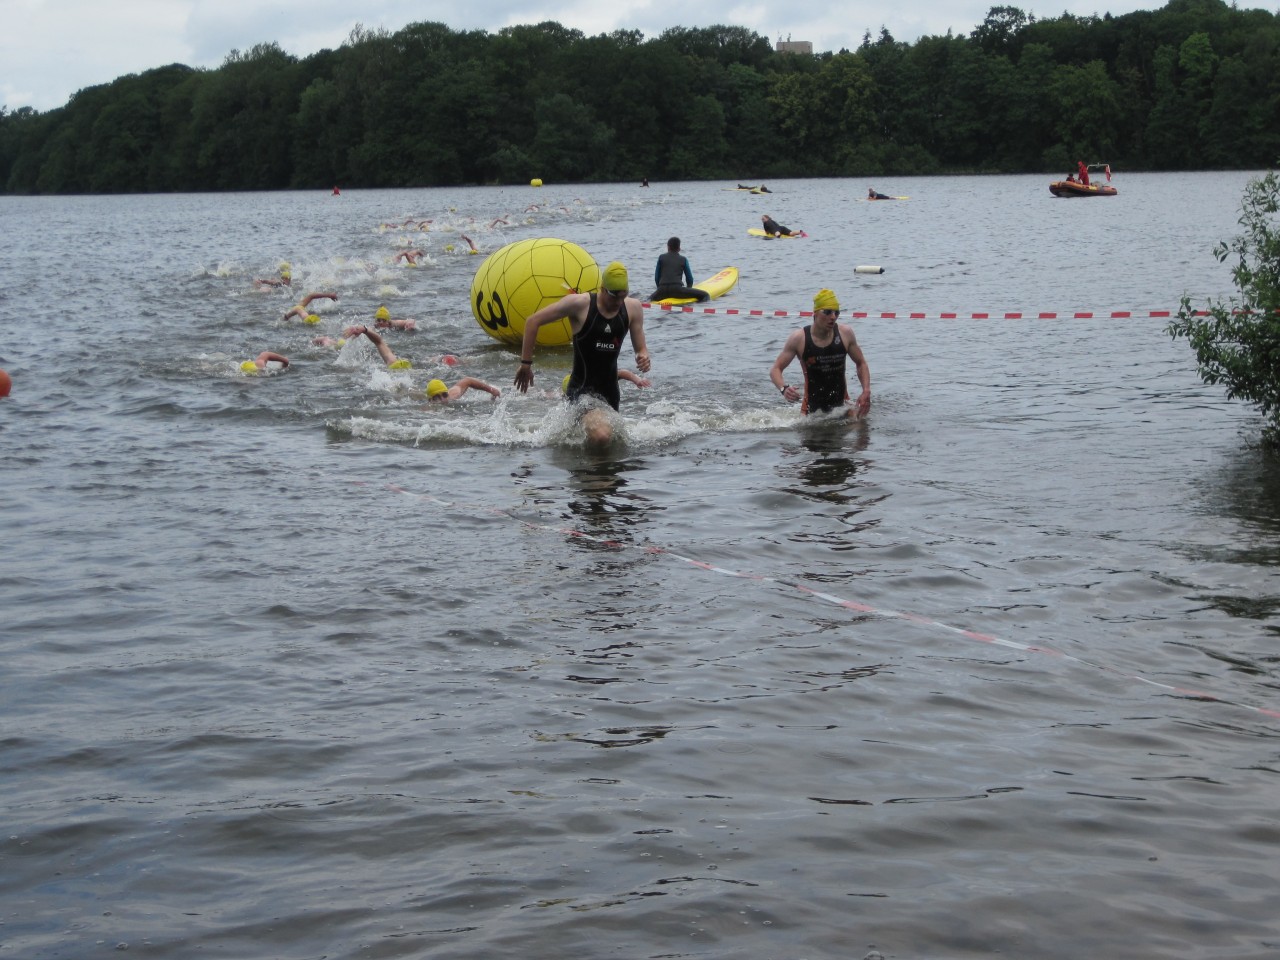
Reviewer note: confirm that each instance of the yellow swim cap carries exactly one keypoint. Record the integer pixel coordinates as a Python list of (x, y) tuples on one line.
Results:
[(564, 386), (399, 365), (311, 318), (382, 314), (435, 388), (825, 300), (614, 277), (248, 367)]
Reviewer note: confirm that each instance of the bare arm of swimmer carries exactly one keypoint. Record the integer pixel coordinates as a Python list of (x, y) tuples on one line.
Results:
[(790, 350), (635, 313), (383, 350), (470, 383), (573, 306), (863, 403)]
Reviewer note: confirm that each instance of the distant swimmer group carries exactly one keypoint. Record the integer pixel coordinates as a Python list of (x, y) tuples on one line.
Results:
[(823, 346), (600, 322), (379, 327)]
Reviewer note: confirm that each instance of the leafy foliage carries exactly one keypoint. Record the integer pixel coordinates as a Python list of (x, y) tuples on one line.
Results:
[(1194, 85), (1237, 342)]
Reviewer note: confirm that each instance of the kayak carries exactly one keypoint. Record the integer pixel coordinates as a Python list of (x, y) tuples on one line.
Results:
[(717, 286), (757, 232)]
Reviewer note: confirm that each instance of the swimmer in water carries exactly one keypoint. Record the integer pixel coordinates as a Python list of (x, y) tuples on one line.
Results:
[(390, 359), (266, 360), (267, 283), (410, 257), (300, 310), (440, 392), (383, 320)]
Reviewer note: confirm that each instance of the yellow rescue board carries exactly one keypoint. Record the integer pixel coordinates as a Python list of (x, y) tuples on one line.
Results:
[(717, 286), (757, 232)]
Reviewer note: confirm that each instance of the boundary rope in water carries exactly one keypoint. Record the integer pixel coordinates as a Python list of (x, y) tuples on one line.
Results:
[(833, 599), (925, 315), (941, 314)]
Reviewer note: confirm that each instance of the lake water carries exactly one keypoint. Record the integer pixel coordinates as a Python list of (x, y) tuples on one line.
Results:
[(296, 667)]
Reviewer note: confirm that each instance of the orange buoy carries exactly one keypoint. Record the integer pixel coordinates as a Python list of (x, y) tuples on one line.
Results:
[(6, 384)]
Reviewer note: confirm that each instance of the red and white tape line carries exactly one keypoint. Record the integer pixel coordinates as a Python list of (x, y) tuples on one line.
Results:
[(832, 598), (926, 315)]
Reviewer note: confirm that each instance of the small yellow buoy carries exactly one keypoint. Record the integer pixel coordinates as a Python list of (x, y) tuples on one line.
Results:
[(535, 182)]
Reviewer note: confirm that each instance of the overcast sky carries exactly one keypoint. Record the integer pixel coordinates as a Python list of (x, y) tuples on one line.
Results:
[(49, 49)]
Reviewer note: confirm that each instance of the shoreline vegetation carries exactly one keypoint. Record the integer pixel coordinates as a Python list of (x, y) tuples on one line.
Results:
[(1194, 85)]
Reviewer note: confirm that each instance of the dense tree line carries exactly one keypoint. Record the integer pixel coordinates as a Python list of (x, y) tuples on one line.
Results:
[(1193, 85)]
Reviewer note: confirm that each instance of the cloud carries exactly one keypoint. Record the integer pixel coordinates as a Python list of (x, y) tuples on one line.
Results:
[(50, 50)]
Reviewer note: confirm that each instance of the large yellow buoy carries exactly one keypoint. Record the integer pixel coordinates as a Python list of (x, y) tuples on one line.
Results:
[(535, 182), (517, 280)]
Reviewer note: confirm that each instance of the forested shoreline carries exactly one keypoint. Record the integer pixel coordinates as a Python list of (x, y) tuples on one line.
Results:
[(1193, 85)]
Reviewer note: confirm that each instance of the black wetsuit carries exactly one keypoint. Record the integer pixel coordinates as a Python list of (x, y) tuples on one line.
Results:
[(674, 279), (824, 382), (774, 228), (595, 354)]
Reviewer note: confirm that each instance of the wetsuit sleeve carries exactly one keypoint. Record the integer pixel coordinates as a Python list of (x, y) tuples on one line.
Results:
[(688, 272), (657, 273)]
